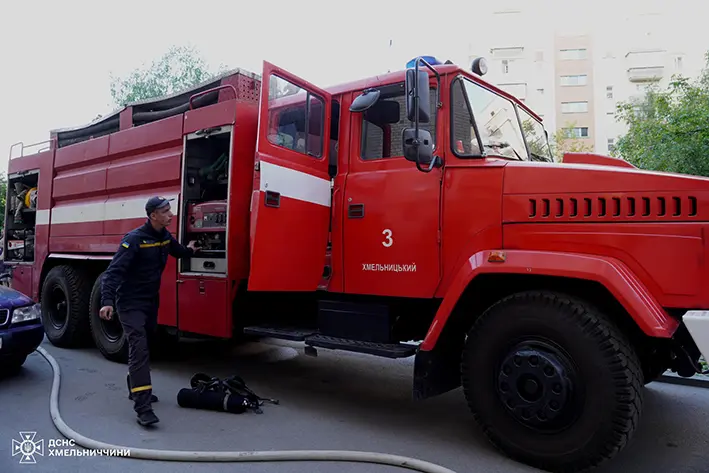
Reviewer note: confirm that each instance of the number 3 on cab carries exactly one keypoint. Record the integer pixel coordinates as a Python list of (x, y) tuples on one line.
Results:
[(388, 240)]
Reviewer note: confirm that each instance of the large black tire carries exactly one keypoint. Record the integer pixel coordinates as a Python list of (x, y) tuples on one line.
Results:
[(108, 335), (591, 380), (65, 306)]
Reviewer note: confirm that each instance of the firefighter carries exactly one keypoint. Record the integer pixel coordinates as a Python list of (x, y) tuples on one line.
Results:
[(131, 285)]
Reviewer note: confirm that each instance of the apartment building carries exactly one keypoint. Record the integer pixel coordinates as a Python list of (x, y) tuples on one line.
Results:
[(575, 105), (573, 63), (518, 63)]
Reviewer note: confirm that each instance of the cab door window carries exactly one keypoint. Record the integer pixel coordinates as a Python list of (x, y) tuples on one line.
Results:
[(296, 118), (384, 122)]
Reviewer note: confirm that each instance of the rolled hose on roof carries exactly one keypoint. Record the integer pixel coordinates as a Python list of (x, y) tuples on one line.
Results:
[(228, 457)]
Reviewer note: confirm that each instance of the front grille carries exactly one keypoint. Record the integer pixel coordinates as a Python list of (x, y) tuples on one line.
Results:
[(4, 316)]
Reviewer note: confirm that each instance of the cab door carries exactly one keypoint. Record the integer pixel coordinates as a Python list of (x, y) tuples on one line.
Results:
[(392, 210), (290, 205)]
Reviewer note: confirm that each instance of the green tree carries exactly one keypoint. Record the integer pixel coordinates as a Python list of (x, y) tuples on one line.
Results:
[(668, 130), (562, 141), (179, 68)]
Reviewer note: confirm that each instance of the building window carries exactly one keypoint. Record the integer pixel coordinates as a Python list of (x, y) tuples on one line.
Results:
[(611, 145), (575, 80), (577, 132), (574, 107), (572, 54), (609, 92), (678, 63), (505, 66)]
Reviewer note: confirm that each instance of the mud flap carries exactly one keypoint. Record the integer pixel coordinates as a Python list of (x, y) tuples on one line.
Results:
[(697, 323)]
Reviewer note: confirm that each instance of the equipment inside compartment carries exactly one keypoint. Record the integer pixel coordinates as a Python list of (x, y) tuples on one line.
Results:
[(206, 187), (22, 217)]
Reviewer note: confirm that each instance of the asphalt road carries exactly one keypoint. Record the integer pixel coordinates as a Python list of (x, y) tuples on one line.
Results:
[(335, 401)]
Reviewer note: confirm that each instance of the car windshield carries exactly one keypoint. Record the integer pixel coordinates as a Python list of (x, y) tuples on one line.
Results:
[(495, 119), (536, 137)]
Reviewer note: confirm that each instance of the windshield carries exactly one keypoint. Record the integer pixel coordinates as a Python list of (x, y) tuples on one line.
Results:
[(536, 137), (495, 119)]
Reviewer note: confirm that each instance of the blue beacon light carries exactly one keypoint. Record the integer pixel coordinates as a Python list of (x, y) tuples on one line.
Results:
[(429, 59)]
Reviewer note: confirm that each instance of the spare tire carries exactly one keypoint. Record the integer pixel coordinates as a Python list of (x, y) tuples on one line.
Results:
[(65, 306), (108, 335)]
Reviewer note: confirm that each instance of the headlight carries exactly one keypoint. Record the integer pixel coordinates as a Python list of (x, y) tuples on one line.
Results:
[(23, 314)]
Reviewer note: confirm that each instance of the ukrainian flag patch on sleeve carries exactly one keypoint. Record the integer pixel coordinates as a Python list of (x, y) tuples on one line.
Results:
[(125, 244)]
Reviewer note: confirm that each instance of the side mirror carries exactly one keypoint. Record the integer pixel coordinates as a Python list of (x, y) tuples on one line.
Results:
[(365, 100), (417, 150), (417, 96)]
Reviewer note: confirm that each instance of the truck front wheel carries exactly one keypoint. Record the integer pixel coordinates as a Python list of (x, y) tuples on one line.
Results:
[(551, 381)]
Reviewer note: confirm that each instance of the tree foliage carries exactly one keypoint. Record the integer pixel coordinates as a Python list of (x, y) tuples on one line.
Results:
[(179, 68), (562, 141), (668, 130)]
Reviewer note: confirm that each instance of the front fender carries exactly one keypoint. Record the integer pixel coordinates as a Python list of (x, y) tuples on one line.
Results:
[(613, 274)]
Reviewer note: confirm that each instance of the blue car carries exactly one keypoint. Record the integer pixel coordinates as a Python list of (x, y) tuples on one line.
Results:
[(21, 329)]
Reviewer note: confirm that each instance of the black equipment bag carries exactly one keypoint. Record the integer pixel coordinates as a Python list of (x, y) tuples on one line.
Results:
[(228, 395)]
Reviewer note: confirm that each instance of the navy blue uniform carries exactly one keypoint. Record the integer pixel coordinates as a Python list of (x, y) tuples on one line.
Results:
[(131, 285)]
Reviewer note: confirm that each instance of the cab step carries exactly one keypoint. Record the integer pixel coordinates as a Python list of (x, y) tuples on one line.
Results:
[(387, 350), (282, 333), (313, 339)]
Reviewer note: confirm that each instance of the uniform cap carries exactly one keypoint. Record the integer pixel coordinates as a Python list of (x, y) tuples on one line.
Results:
[(155, 203)]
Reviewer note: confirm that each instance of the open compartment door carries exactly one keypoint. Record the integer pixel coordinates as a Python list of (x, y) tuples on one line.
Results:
[(203, 287), (290, 207)]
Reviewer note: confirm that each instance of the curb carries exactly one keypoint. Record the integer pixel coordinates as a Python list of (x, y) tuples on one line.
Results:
[(697, 381)]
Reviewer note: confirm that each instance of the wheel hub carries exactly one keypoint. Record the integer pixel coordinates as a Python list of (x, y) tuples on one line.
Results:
[(57, 308), (534, 386), (112, 329)]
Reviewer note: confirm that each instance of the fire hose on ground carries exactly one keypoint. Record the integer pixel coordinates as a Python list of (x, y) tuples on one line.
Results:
[(224, 456)]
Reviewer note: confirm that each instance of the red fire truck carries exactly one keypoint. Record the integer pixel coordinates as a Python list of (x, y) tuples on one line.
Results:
[(413, 214)]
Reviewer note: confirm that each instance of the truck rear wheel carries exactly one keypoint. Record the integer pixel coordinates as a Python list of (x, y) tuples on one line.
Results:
[(107, 334), (65, 306), (552, 382)]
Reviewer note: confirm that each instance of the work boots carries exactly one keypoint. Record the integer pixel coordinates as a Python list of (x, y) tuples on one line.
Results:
[(147, 418)]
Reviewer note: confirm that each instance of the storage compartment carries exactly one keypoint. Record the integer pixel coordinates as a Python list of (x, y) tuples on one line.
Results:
[(20, 217), (354, 321), (204, 306), (205, 198)]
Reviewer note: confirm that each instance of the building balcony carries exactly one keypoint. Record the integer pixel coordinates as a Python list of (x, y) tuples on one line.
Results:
[(646, 74)]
